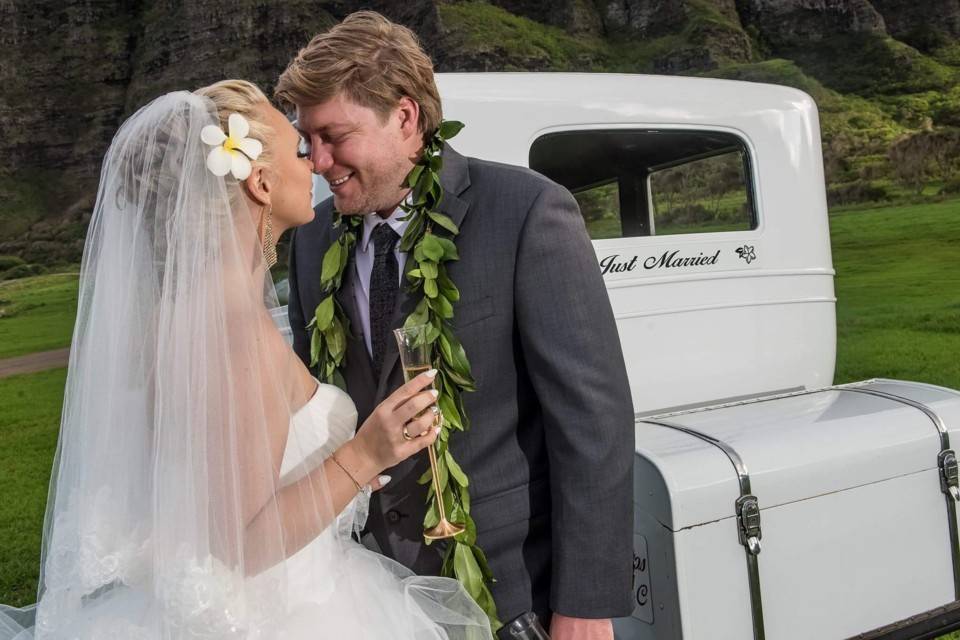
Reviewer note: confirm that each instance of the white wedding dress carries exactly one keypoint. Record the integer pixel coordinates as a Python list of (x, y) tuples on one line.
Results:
[(373, 596), (164, 506), (332, 588)]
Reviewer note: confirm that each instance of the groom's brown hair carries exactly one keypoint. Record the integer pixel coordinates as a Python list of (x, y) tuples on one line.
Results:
[(369, 59)]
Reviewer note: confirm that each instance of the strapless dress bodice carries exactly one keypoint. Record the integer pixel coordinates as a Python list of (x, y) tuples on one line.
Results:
[(317, 429)]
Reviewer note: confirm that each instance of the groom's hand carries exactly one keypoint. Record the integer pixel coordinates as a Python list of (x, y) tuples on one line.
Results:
[(564, 628)]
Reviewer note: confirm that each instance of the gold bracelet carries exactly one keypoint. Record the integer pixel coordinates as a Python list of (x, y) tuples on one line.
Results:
[(349, 475)]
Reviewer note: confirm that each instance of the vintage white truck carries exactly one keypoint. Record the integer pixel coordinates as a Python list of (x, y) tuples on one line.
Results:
[(768, 503)]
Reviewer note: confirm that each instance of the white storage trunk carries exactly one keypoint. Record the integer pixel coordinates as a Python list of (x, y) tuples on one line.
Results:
[(847, 514)]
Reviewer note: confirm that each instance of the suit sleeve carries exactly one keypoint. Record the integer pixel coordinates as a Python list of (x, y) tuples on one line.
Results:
[(298, 325), (572, 350)]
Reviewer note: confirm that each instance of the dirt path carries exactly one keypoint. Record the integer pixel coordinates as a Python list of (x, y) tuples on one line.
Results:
[(33, 362)]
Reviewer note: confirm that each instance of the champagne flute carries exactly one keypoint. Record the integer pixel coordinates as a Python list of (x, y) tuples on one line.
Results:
[(415, 359), (527, 626)]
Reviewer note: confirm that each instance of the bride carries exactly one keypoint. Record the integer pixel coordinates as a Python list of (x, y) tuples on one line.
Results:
[(205, 485)]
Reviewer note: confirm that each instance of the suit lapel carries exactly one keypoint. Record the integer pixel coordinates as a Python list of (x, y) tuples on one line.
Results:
[(454, 178)]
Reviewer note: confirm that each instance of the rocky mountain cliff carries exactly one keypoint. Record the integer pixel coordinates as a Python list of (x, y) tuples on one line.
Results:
[(71, 70)]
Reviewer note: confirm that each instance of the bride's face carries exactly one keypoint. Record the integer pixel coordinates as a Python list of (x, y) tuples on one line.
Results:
[(290, 173)]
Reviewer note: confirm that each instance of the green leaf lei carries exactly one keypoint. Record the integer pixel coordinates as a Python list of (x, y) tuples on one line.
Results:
[(426, 271)]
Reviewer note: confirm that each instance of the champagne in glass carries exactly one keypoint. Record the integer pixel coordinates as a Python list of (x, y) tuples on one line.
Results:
[(409, 373), (415, 359)]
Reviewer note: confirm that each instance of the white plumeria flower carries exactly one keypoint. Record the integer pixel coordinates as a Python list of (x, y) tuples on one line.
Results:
[(231, 153)]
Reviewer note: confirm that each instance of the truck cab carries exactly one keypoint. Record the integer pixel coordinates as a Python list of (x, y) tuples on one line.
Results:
[(706, 204)]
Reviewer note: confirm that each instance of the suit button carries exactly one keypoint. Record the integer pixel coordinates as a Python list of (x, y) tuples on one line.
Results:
[(394, 516)]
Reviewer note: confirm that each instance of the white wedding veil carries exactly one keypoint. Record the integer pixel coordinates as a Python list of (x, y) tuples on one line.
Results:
[(165, 516)]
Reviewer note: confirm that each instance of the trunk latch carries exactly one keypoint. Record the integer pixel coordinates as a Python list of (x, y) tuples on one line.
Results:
[(748, 517), (949, 475)]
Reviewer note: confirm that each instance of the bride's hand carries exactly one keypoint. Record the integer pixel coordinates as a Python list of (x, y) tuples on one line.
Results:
[(381, 437)]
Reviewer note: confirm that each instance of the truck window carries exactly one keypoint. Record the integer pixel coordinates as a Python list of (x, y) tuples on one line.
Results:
[(642, 182), (600, 207), (703, 195)]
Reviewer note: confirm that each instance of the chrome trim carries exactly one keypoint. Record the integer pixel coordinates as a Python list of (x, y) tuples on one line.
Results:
[(747, 509), (743, 475), (930, 413), (664, 411), (641, 417), (947, 464)]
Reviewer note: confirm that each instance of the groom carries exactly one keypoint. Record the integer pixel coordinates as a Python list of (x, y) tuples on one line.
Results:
[(549, 453)]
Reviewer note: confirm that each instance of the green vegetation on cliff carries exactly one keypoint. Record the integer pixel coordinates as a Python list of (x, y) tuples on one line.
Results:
[(873, 92), (878, 79), (839, 113), (507, 42), (24, 200), (484, 37), (871, 65)]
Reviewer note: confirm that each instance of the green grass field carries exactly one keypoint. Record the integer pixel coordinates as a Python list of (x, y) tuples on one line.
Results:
[(898, 315), (898, 293), (36, 314), (28, 436)]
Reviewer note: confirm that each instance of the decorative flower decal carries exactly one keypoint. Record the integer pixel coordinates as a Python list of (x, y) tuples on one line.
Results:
[(231, 153), (747, 253)]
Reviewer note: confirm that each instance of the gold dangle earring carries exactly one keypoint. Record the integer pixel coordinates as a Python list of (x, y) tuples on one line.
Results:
[(269, 246)]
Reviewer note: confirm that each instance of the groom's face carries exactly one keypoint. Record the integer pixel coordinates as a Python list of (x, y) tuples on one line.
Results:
[(363, 156)]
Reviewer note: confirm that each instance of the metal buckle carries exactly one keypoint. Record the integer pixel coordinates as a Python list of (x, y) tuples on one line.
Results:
[(949, 473), (748, 517), (748, 521), (947, 463)]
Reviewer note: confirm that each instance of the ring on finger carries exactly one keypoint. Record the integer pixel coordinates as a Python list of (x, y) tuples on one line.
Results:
[(406, 434)]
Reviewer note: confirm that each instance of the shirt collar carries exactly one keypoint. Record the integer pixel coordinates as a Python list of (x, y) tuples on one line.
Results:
[(372, 221)]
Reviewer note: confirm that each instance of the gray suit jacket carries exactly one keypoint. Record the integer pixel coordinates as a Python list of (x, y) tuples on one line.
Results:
[(550, 448)]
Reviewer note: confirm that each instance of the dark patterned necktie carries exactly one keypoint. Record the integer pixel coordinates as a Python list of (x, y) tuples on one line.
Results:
[(384, 282)]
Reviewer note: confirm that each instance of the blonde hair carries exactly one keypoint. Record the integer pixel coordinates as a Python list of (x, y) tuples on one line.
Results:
[(245, 98), (369, 59)]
